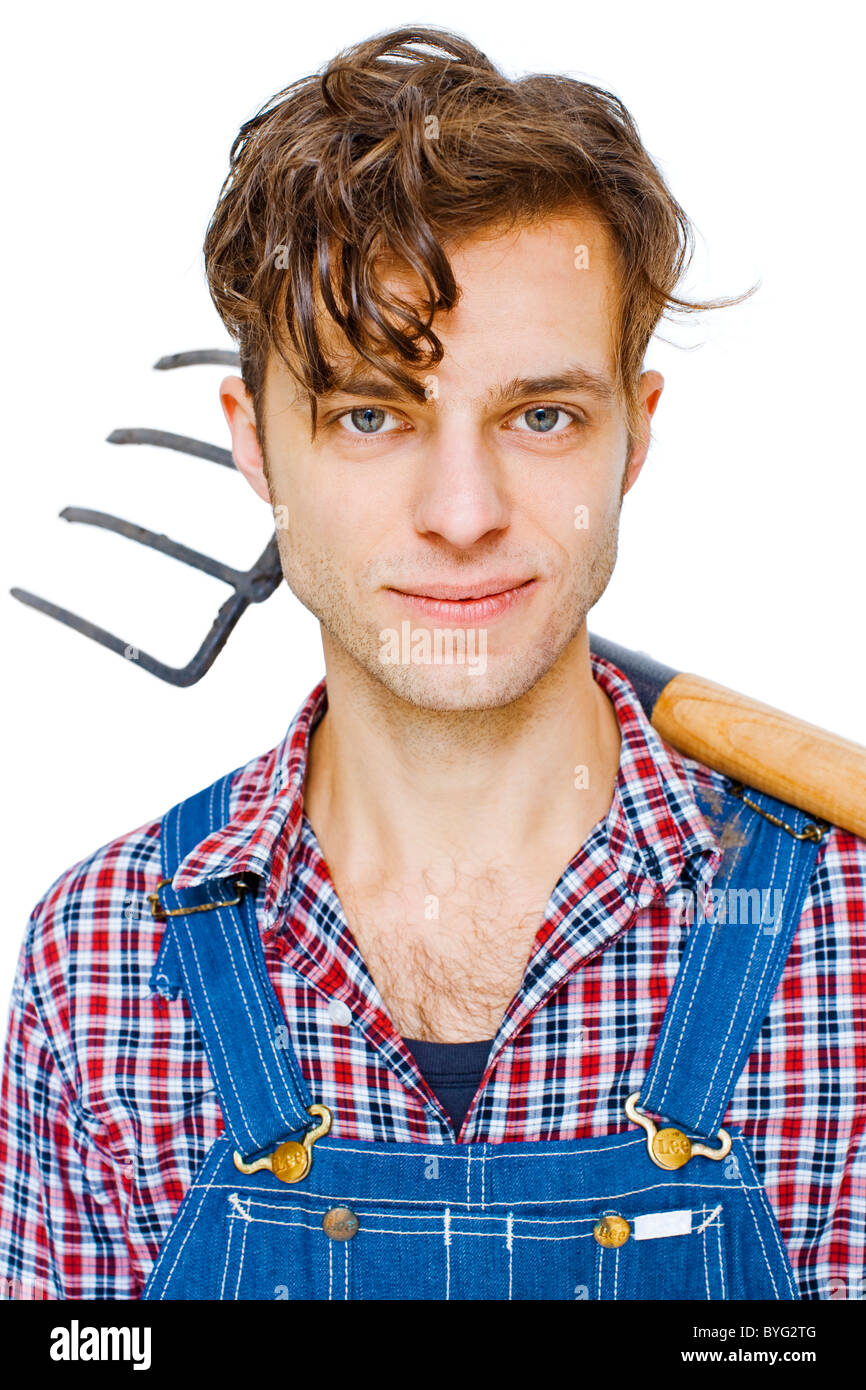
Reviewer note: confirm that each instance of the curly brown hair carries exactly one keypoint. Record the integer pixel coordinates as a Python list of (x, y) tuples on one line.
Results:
[(401, 146)]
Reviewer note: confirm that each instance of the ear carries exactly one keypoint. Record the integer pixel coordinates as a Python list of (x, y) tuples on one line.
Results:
[(237, 405), (651, 386)]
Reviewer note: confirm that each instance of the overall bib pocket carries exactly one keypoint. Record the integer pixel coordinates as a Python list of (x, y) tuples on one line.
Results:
[(677, 1254)]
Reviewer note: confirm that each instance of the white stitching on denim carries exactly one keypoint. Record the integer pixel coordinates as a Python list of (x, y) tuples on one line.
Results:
[(362, 1197), (210, 893), (446, 1231), (369, 1231), (701, 966), (509, 1245), (628, 1143), (665, 1037), (708, 1219), (204, 1038), (228, 1255), (189, 1231), (241, 1262), (761, 1241), (212, 1161), (774, 1225), (346, 1267), (755, 989), (511, 1221), (232, 943), (263, 992), (703, 1231), (718, 1230), (184, 812), (743, 1148), (238, 1207), (330, 1269), (370, 1213), (399, 1228)]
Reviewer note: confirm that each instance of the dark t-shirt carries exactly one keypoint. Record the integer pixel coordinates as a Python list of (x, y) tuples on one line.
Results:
[(452, 1071)]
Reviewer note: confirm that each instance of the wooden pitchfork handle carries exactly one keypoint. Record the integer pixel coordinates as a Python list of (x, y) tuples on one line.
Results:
[(750, 742)]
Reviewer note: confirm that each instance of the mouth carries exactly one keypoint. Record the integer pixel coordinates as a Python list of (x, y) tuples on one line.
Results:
[(468, 604)]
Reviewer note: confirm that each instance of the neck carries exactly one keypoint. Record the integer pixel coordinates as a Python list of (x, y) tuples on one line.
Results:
[(392, 788)]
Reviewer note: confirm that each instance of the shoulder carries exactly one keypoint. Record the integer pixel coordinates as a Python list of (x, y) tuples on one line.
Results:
[(92, 938), (90, 935), (836, 900)]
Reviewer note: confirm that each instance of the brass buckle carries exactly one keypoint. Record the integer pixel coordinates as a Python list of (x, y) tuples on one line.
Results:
[(670, 1148), (290, 1162), (813, 830), (160, 913)]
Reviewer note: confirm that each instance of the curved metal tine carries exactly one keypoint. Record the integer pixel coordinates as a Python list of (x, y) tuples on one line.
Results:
[(166, 439), (175, 675), (221, 356), (250, 586), (155, 540), (266, 574), (259, 583)]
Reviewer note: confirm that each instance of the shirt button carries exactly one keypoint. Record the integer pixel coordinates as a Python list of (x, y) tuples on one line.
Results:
[(338, 1012), (340, 1223), (611, 1231)]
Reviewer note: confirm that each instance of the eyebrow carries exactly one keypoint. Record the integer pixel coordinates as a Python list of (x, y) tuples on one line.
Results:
[(357, 384), (576, 378)]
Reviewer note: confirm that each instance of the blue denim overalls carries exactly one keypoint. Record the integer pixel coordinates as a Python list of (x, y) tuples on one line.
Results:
[(281, 1210)]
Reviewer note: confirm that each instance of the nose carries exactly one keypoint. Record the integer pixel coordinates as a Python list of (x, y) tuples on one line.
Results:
[(461, 494)]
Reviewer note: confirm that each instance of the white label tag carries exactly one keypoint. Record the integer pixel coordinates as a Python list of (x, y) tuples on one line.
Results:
[(662, 1223)]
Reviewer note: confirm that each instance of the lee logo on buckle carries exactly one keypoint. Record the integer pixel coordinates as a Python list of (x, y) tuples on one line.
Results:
[(291, 1161), (670, 1148)]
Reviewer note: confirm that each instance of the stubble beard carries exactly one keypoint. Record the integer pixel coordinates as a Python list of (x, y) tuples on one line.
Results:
[(353, 641)]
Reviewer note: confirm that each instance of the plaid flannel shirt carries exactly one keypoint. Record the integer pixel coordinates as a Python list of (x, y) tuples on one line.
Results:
[(108, 1107)]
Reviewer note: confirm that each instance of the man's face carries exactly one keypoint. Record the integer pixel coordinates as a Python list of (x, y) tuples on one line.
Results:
[(480, 524)]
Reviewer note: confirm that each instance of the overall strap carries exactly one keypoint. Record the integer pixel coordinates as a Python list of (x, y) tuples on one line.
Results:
[(733, 959), (215, 955)]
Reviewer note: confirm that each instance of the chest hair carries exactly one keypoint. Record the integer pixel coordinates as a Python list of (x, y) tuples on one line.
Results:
[(447, 954)]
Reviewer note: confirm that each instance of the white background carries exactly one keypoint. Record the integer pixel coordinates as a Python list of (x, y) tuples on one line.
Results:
[(741, 547)]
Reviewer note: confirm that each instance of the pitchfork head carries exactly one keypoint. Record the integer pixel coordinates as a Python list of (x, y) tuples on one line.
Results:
[(250, 586)]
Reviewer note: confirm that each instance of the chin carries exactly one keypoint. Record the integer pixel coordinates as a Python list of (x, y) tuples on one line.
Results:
[(456, 689)]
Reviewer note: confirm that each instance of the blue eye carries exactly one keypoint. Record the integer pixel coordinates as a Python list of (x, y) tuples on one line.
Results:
[(542, 419), (366, 419)]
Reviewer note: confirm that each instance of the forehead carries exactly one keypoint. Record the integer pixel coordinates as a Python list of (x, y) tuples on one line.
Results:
[(531, 298), (548, 289)]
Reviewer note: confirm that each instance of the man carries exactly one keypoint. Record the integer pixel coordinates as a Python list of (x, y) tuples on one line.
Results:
[(386, 1012)]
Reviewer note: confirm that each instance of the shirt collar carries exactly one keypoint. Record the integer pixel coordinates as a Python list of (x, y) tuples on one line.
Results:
[(654, 820), (654, 825), (268, 800)]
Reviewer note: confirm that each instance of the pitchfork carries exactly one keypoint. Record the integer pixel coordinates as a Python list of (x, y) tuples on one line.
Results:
[(250, 586)]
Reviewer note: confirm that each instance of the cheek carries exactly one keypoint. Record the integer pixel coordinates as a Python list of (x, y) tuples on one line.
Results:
[(307, 508), (579, 504), (330, 532)]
